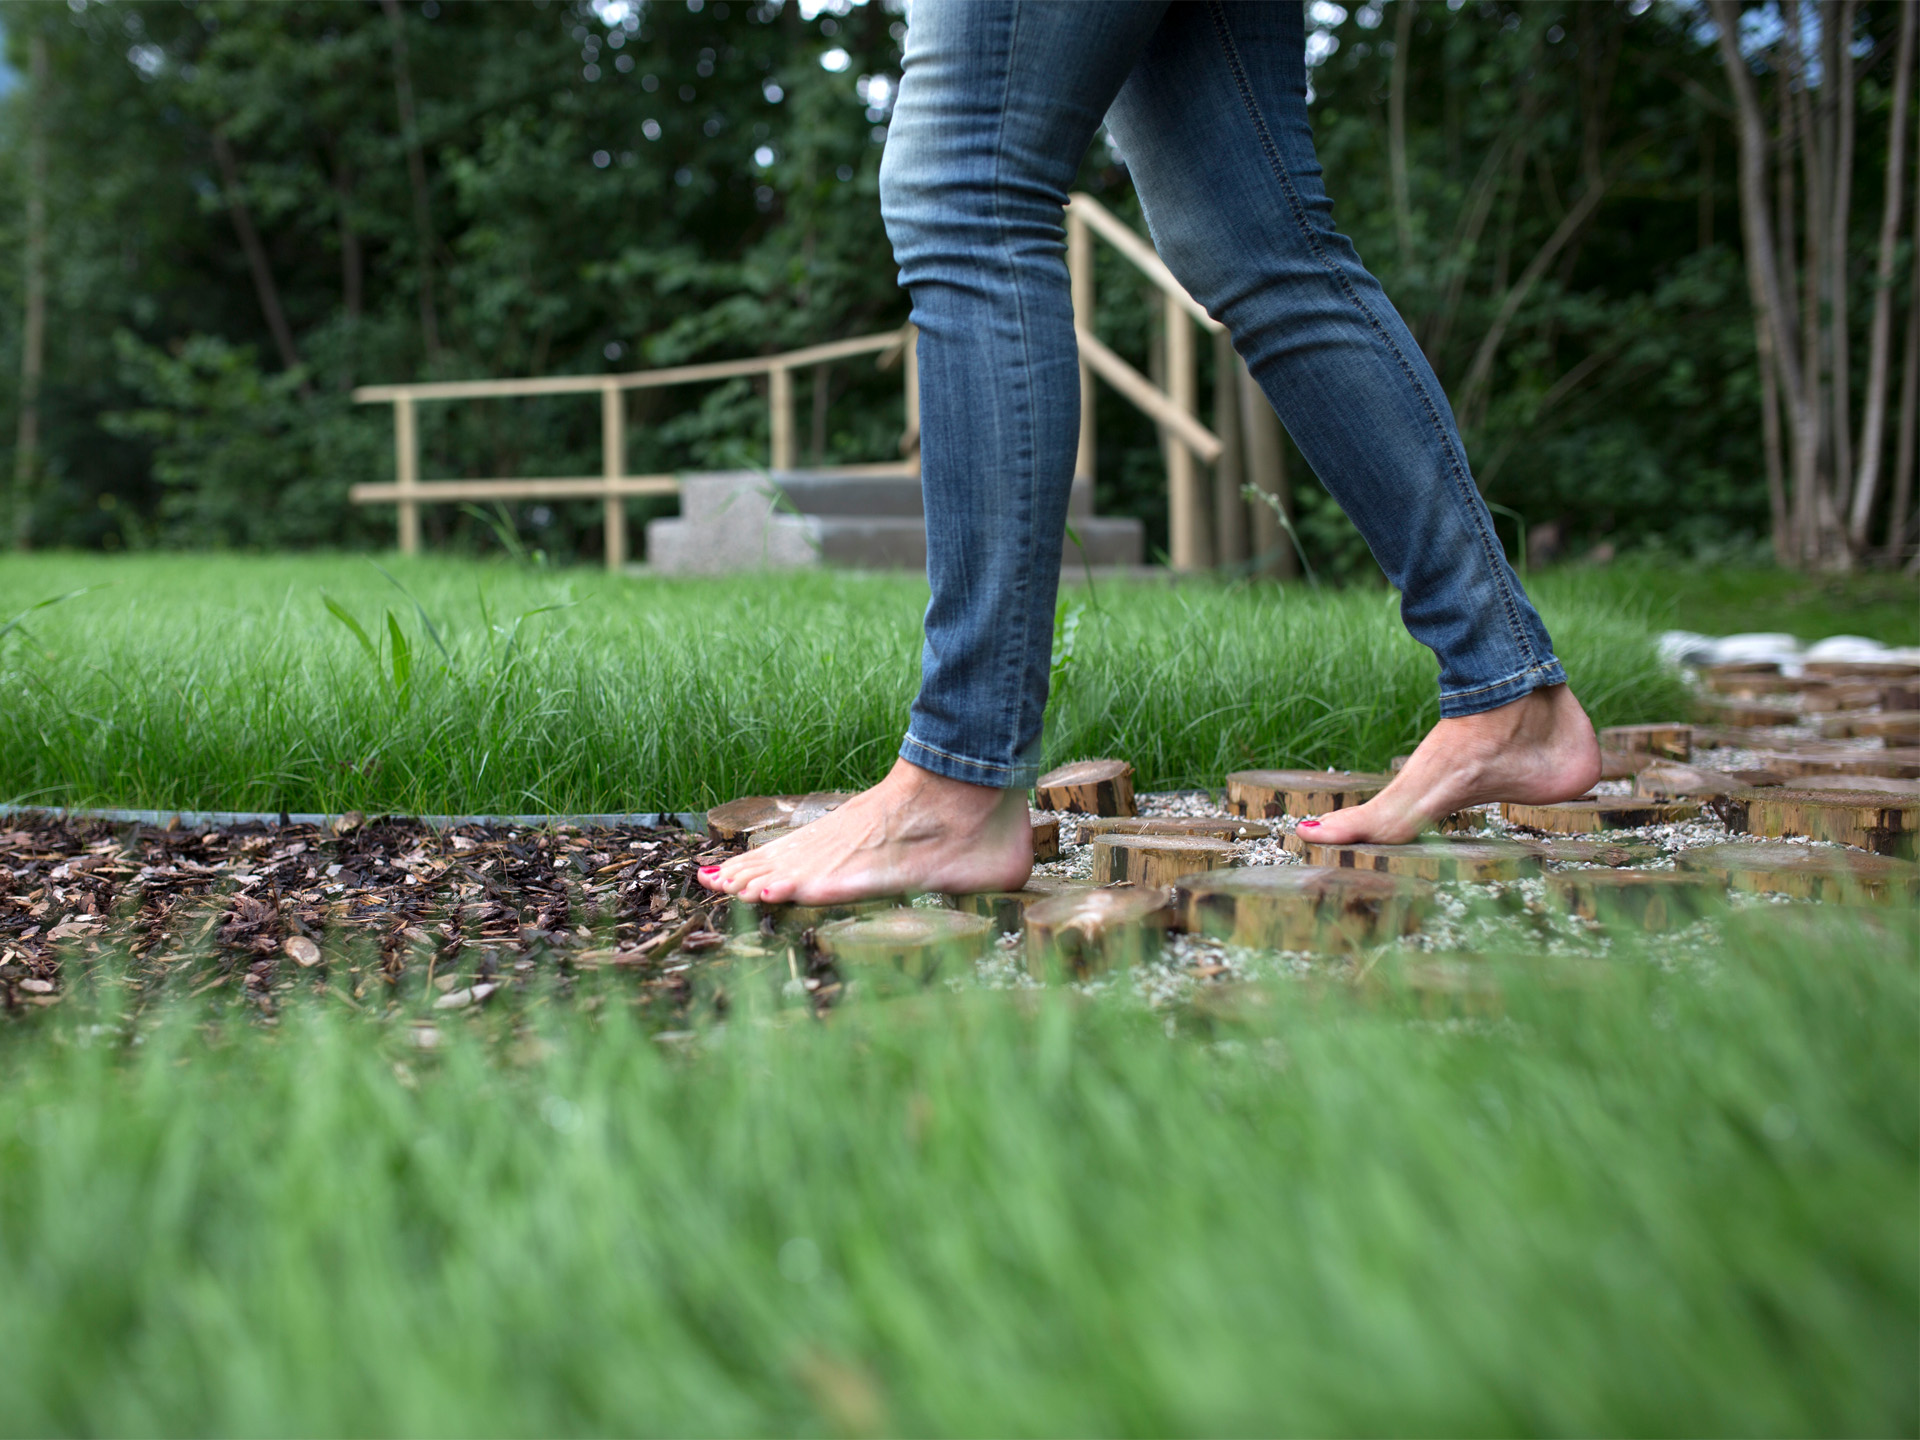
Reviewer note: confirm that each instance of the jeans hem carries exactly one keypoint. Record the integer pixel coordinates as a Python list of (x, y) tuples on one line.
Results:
[(974, 772), (1481, 698)]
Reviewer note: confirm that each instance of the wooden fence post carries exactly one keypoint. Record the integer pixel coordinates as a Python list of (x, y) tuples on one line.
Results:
[(1187, 518), (1080, 277), (613, 465), (1229, 505), (780, 398), (1266, 468), (406, 471)]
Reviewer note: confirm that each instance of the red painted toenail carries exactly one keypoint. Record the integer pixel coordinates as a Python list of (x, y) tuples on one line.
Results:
[(709, 869), (1308, 824)]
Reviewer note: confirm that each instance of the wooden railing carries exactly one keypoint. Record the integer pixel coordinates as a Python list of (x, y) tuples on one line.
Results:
[(1246, 445), (612, 486)]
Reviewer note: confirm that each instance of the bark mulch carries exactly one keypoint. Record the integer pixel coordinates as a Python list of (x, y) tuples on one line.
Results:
[(360, 910)]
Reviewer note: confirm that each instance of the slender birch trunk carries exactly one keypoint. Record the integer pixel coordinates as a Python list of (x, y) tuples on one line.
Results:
[(416, 178), (1839, 221), (1873, 419), (33, 338)]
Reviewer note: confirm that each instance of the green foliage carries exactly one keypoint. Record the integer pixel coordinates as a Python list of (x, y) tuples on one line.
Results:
[(254, 685), (1628, 1194)]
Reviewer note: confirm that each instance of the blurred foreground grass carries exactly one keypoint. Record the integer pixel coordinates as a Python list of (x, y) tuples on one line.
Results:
[(1628, 1195), (226, 682)]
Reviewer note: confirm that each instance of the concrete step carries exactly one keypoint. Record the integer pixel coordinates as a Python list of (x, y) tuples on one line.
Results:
[(818, 492), (751, 520)]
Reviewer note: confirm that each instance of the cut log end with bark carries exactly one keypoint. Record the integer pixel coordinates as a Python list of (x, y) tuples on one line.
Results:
[(904, 948), (1590, 817), (1880, 823), (1665, 780), (1673, 741), (740, 819), (1156, 861), (1896, 763), (1269, 794), (1008, 908), (1046, 837), (1744, 714), (1807, 874), (1213, 827), (1435, 859), (1072, 936), (1087, 787), (1894, 728), (1302, 907), (1652, 900)]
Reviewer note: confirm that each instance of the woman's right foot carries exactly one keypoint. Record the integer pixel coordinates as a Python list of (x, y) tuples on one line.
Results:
[(1538, 750)]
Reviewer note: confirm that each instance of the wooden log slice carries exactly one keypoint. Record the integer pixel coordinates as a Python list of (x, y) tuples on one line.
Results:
[(1624, 764), (1862, 669), (1902, 695), (1743, 714), (1824, 698), (1666, 780), (1742, 667), (1880, 784), (1900, 764), (739, 818), (1302, 907), (1434, 859), (1807, 874), (1884, 824), (1269, 794), (1083, 933), (1155, 861), (1750, 684), (1088, 787), (1618, 854), (1046, 836), (1214, 827), (1590, 817), (792, 919), (902, 949), (1674, 741), (1652, 900), (1008, 908), (1899, 727)]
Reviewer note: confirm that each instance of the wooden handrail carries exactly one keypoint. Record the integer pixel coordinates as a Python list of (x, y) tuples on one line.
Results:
[(632, 379), (1117, 233), (1147, 397)]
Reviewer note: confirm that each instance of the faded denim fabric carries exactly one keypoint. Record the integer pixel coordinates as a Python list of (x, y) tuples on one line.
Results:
[(1206, 102)]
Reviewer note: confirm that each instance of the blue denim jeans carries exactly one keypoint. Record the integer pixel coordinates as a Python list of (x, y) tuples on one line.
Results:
[(1206, 102)]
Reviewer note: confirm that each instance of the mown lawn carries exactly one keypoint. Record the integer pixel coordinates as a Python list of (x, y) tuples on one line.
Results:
[(227, 683), (1530, 1186)]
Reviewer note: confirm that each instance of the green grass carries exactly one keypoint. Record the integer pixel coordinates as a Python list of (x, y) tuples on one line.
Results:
[(1731, 599), (225, 682), (1622, 1197)]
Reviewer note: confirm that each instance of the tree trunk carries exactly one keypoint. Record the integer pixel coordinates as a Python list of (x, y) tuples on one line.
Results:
[(1771, 318), (1397, 132), (1903, 453), (1840, 69), (1873, 419), (263, 283), (33, 331), (416, 178)]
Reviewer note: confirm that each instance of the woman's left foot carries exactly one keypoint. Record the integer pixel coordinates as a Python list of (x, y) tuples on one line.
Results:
[(1539, 750)]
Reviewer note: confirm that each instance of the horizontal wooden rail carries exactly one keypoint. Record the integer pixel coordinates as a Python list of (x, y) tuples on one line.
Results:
[(1117, 233), (632, 379), (569, 487), (1148, 397)]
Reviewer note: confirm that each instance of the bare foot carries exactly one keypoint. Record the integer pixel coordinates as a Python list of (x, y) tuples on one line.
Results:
[(915, 832), (1538, 750)]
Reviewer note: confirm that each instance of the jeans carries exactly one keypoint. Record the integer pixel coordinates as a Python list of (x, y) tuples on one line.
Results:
[(1206, 102)]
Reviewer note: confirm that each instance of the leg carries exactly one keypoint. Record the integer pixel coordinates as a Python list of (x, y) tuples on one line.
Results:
[(998, 102), (1214, 128)]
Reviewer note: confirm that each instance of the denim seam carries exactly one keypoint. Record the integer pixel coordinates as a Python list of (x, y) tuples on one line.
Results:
[(1013, 691), (1238, 70), (912, 739), (1550, 663)]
